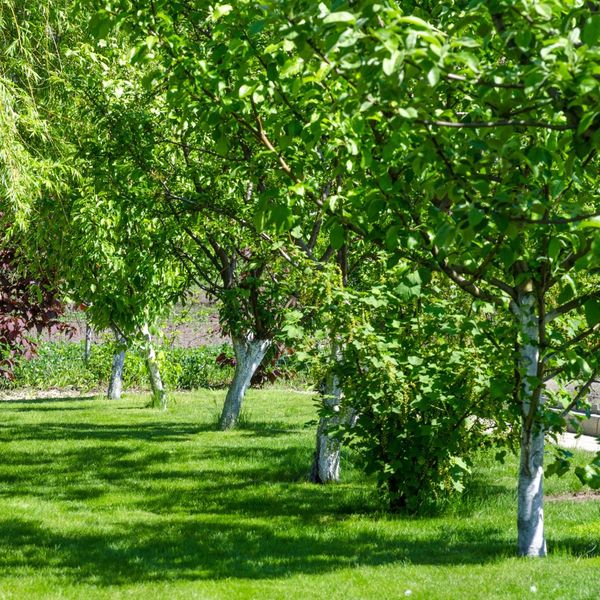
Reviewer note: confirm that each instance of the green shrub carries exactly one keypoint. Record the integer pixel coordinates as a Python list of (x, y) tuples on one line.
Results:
[(61, 365), (195, 368)]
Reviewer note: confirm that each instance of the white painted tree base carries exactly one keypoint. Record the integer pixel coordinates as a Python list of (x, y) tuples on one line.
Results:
[(249, 354)]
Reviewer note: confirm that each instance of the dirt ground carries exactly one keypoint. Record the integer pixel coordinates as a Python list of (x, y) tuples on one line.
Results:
[(196, 324)]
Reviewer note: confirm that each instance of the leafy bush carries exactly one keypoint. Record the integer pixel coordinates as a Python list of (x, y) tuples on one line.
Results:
[(424, 392), (413, 368), (198, 368), (61, 365)]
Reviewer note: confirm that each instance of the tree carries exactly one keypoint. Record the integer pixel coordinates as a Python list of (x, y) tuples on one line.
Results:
[(27, 305), (481, 169), (110, 247)]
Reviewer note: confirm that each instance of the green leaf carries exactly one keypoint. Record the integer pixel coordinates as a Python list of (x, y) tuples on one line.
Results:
[(433, 76), (592, 312), (245, 90), (589, 475), (340, 17), (408, 113), (445, 236), (554, 249), (389, 64), (545, 10), (594, 222), (591, 30), (221, 10), (337, 236), (411, 20), (99, 25)]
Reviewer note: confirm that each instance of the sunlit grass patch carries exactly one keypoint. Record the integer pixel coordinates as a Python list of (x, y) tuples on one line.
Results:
[(103, 499)]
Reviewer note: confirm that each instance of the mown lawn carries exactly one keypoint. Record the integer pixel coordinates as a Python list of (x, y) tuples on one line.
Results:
[(114, 500)]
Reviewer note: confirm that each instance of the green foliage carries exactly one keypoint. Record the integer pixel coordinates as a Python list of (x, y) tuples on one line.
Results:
[(32, 158), (61, 365), (417, 372), (590, 474)]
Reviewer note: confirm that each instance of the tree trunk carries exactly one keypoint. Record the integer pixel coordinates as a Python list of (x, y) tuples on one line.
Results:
[(159, 396), (249, 354), (115, 385), (326, 462), (87, 350), (530, 519)]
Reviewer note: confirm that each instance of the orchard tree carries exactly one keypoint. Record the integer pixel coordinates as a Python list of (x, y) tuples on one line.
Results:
[(476, 142), (109, 245)]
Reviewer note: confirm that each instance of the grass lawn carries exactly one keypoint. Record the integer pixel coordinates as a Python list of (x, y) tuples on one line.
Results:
[(106, 499)]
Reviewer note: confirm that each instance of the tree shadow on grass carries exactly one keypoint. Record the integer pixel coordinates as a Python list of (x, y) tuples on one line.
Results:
[(183, 548), (199, 510)]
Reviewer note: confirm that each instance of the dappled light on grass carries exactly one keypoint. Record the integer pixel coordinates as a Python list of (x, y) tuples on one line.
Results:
[(102, 496)]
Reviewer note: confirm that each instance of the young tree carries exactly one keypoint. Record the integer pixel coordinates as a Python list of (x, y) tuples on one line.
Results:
[(27, 305), (477, 139)]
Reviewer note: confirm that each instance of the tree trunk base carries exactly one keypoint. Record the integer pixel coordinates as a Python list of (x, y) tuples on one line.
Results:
[(249, 354)]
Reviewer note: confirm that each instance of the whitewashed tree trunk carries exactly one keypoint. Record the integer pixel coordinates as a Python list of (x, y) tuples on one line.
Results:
[(249, 354), (326, 462), (115, 385), (87, 350), (530, 517), (159, 395)]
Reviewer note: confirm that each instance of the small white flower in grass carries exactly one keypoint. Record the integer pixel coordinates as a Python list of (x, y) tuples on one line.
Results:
[(408, 593), (533, 588)]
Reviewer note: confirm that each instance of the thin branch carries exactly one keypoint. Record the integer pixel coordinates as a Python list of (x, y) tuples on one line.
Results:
[(483, 82), (555, 221), (584, 389), (578, 338), (569, 306), (492, 124)]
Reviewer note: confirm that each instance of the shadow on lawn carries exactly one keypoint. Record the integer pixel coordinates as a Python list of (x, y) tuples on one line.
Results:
[(193, 509), (182, 548)]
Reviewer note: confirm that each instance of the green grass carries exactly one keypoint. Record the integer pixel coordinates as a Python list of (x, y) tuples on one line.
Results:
[(113, 500)]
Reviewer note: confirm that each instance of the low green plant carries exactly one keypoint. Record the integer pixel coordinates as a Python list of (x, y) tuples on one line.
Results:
[(413, 364), (61, 365)]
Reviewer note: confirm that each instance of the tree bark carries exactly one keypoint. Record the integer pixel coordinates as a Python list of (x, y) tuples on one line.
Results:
[(115, 385), (159, 395), (530, 512), (326, 462), (87, 350), (249, 354)]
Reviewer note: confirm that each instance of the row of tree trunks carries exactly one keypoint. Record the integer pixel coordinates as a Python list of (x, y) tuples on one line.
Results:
[(249, 353), (115, 386)]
